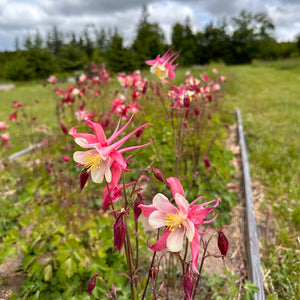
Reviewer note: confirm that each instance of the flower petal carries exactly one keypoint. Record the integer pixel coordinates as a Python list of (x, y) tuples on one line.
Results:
[(175, 186), (162, 203), (157, 219), (161, 243), (80, 156), (147, 209), (98, 175), (195, 250), (182, 204), (190, 230), (175, 239)]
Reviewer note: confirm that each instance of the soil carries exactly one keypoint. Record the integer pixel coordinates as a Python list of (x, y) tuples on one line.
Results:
[(235, 260)]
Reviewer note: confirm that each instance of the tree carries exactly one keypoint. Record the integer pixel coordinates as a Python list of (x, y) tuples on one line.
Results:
[(119, 58), (55, 41), (249, 31), (149, 41)]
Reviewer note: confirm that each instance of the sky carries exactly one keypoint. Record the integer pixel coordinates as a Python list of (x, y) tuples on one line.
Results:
[(19, 18)]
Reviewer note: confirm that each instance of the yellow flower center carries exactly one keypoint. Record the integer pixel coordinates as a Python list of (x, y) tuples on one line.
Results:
[(172, 221), (158, 72), (93, 161)]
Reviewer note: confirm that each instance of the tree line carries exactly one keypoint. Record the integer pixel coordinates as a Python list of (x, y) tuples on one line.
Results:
[(239, 40)]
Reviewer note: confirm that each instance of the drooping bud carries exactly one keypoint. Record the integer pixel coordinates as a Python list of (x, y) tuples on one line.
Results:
[(92, 284), (136, 210), (157, 173), (13, 117), (206, 160), (84, 176), (188, 284), (186, 102), (145, 88), (63, 127), (66, 158), (222, 242), (139, 133), (197, 111), (119, 228)]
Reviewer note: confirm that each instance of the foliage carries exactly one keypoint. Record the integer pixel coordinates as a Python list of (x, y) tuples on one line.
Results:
[(270, 115), (241, 39)]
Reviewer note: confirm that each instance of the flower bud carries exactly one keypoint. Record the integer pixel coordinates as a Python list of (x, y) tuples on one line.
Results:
[(84, 176), (222, 242), (188, 284), (206, 160), (186, 102), (136, 210), (119, 227), (92, 284), (145, 88), (156, 172), (139, 133), (63, 127)]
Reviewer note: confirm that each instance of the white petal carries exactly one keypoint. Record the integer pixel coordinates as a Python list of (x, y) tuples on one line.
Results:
[(79, 156), (162, 203), (157, 219), (190, 230), (175, 240), (82, 142), (181, 203), (108, 175), (97, 175)]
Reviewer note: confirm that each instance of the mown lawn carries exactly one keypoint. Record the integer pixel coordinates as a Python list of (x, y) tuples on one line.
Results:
[(268, 95)]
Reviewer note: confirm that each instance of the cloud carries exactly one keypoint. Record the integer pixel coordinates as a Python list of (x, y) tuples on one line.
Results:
[(20, 17)]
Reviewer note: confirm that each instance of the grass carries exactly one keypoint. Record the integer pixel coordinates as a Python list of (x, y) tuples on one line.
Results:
[(268, 95)]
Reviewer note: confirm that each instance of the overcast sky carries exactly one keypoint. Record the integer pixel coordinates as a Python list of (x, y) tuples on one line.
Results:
[(20, 17)]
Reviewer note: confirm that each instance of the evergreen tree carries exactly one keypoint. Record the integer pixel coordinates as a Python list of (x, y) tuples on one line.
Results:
[(55, 41), (149, 41)]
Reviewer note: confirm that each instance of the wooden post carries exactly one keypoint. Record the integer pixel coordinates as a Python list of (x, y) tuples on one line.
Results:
[(253, 256)]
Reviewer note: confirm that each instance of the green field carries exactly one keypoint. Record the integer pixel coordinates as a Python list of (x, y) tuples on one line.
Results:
[(268, 95)]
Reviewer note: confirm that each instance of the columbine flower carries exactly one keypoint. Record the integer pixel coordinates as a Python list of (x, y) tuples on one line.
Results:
[(3, 125), (178, 221), (5, 139), (162, 66), (52, 79), (102, 154)]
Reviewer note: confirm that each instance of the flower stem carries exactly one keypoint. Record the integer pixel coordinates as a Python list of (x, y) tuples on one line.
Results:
[(150, 270)]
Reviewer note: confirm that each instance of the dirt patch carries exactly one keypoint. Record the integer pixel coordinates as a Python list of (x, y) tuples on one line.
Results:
[(11, 277)]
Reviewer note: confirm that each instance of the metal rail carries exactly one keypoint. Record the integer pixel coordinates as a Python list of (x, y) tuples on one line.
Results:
[(253, 256)]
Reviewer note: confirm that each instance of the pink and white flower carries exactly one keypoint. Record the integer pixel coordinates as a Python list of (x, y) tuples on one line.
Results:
[(3, 125), (162, 66), (102, 153), (52, 79), (178, 221)]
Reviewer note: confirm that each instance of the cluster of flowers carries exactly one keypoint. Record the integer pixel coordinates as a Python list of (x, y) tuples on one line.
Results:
[(138, 86), (89, 83), (5, 137), (103, 160)]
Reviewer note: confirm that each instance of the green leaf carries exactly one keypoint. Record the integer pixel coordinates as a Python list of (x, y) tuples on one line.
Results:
[(12, 237), (48, 272), (70, 267)]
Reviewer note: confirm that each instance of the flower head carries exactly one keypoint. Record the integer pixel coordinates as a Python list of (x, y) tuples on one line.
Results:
[(178, 221), (162, 66), (102, 152)]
